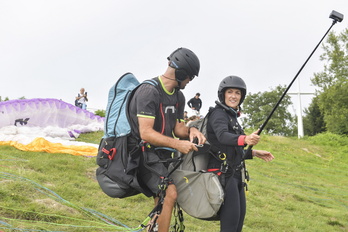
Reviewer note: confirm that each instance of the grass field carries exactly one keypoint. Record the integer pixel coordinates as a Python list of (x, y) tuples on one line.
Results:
[(304, 189)]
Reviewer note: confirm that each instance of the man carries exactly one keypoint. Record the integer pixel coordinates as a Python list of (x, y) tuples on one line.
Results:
[(81, 99), (195, 104), (156, 116)]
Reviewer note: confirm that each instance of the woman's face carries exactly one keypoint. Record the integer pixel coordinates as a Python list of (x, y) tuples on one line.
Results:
[(232, 97)]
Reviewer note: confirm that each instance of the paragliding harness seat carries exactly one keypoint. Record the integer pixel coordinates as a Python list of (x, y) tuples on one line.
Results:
[(120, 150), (112, 186)]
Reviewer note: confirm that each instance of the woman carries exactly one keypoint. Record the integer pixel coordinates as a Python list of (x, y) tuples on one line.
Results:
[(227, 136)]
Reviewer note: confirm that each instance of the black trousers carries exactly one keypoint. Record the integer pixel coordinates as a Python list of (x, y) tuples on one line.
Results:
[(233, 210)]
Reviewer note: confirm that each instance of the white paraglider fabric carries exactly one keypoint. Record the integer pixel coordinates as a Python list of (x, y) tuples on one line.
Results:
[(49, 125)]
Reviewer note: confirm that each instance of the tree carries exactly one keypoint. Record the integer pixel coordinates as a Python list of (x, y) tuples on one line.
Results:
[(6, 99), (334, 103), (335, 54), (258, 106), (332, 83), (313, 121)]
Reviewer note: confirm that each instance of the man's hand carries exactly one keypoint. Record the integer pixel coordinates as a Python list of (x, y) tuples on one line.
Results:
[(185, 146), (195, 133)]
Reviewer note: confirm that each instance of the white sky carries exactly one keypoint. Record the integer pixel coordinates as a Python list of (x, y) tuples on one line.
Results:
[(51, 48)]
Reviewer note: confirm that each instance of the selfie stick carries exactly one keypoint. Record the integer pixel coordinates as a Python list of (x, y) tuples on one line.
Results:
[(336, 17)]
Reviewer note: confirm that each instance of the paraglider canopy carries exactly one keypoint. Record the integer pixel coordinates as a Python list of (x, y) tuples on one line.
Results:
[(47, 125)]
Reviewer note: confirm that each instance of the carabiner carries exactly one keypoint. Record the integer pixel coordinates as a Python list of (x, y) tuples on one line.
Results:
[(222, 156)]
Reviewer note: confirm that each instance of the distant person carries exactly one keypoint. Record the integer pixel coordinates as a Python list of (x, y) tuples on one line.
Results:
[(81, 99), (225, 133), (195, 104)]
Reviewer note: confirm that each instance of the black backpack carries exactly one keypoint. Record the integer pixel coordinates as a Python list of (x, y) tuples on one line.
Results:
[(117, 171)]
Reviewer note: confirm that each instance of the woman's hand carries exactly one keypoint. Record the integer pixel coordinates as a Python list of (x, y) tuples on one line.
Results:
[(265, 155), (252, 139)]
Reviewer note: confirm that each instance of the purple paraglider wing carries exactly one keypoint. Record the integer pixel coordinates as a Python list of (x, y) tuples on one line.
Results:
[(49, 125)]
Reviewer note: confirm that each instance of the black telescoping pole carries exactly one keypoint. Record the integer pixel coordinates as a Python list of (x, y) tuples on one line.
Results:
[(337, 17)]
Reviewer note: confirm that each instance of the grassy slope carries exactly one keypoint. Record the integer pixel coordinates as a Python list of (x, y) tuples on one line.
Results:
[(303, 189)]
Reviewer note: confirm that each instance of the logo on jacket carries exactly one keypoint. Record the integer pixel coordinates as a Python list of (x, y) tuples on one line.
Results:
[(171, 108)]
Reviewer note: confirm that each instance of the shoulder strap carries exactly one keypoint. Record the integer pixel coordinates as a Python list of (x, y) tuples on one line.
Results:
[(130, 96), (151, 82)]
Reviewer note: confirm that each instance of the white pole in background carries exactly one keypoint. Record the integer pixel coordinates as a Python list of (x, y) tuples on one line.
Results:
[(299, 112), (300, 132)]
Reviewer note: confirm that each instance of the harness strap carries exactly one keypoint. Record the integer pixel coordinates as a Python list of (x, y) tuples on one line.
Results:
[(215, 170), (245, 177), (150, 221), (178, 216)]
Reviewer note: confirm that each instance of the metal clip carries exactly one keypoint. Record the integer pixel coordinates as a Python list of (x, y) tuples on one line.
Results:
[(224, 167), (199, 145)]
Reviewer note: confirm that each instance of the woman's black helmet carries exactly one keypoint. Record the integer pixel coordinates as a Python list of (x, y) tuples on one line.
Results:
[(185, 63), (231, 82)]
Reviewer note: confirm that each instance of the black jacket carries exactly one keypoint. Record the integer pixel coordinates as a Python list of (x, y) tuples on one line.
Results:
[(225, 134)]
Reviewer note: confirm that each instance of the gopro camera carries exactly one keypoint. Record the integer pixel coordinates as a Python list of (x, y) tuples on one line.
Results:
[(336, 16)]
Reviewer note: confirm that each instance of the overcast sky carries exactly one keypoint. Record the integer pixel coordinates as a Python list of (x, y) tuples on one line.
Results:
[(51, 48)]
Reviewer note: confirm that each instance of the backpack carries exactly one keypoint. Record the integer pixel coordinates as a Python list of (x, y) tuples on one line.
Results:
[(200, 193), (117, 171)]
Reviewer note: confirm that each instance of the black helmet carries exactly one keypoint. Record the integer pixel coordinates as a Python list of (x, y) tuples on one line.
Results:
[(185, 63), (231, 82)]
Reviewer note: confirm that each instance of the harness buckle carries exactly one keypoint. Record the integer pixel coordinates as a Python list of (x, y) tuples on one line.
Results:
[(247, 177), (113, 150), (224, 167)]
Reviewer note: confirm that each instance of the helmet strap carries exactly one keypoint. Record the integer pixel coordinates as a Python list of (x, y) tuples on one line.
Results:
[(179, 84)]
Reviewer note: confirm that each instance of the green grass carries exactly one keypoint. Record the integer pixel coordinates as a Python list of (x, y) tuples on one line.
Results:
[(303, 189)]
